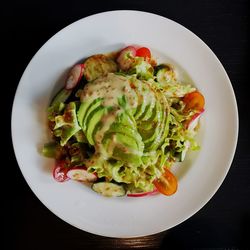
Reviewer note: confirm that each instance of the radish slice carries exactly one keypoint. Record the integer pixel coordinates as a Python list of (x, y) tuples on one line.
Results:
[(184, 152), (192, 124), (155, 191), (60, 172), (74, 76), (81, 174), (126, 57)]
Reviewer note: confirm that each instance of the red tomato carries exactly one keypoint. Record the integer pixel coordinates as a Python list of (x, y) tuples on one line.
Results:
[(167, 183), (144, 52), (60, 172), (194, 100)]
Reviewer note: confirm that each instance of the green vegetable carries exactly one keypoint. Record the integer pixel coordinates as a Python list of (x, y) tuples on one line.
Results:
[(49, 149), (67, 123), (109, 189), (142, 69), (165, 74), (126, 127)]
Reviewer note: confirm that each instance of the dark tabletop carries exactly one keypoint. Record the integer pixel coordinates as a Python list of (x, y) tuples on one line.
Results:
[(224, 222)]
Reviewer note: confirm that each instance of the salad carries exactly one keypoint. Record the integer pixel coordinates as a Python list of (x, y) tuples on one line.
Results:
[(120, 123)]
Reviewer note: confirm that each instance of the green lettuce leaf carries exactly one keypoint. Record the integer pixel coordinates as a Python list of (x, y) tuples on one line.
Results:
[(67, 123)]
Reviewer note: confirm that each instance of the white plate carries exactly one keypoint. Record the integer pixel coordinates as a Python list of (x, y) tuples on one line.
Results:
[(201, 175)]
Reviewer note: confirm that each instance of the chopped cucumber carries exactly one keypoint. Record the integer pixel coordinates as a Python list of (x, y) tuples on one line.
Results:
[(49, 149), (109, 189), (61, 97), (165, 74)]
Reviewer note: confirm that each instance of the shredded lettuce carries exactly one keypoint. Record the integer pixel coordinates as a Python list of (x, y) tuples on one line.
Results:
[(67, 123), (142, 69)]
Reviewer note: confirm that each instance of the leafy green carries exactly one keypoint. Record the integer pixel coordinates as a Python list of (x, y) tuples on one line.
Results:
[(67, 123)]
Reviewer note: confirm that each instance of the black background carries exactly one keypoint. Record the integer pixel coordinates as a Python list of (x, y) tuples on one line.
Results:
[(224, 222)]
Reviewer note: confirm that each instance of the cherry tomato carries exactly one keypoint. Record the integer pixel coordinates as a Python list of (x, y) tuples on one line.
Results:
[(60, 172), (167, 183), (144, 52), (194, 100)]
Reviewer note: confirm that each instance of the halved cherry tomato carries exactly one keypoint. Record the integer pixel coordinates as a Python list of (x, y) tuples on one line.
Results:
[(194, 100), (60, 172), (144, 52), (167, 183)]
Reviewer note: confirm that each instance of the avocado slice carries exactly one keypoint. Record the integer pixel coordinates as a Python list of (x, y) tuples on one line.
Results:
[(119, 154), (94, 118), (149, 100), (148, 141), (149, 117), (126, 143), (157, 138), (128, 131), (126, 118), (147, 129), (148, 111), (142, 96), (83, 109), (165, 128), (94, 105)]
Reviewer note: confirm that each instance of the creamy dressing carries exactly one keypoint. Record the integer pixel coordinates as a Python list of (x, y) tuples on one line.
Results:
[(107, 121), (110, 88)]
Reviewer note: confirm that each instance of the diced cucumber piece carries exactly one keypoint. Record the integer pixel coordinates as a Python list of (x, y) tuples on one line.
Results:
[(109, 189), (61, 97), (165, 74), (49, 149)]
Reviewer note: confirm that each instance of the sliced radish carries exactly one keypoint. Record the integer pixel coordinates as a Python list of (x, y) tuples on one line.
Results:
[(184, 152), (60, 172), (155, 191), (193, 122), (74, 76), (126, 57), (81, 174)]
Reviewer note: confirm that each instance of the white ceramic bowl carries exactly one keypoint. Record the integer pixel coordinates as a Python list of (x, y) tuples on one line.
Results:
[(201, 174)]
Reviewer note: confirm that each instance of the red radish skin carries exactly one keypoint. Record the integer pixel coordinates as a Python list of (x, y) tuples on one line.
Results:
[(60, 172), (81, 174), (126, 57), (192, 123), (154, 192), (74, 76)]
